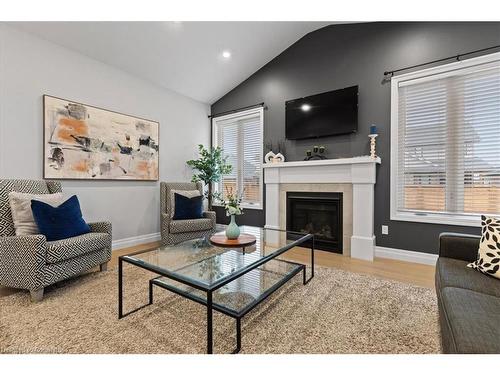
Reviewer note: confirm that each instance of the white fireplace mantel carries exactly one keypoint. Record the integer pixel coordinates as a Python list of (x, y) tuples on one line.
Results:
[(358, 171)]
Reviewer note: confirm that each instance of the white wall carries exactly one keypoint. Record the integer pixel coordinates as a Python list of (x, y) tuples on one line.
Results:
[(31, 67)]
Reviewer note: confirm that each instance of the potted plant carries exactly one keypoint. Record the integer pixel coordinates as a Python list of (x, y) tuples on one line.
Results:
[(210, 167), (232, 205)]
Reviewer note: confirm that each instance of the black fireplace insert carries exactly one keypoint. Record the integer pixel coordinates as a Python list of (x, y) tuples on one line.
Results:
[(319, 214)]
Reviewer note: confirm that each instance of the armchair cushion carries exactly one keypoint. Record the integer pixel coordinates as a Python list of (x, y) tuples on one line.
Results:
[(20, 207), (188, 208), (58, 251), (192, 225), (57, 223), (185, 193)]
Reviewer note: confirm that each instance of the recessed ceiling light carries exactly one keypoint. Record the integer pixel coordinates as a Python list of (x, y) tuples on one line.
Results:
[(305, 107), (226, 54)]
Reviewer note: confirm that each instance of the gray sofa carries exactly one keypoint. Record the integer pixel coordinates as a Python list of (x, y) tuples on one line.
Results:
[(469, 301), (31, 262)]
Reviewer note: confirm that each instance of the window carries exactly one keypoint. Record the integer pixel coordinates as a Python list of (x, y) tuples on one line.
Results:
[(240, 135), (445, 143)]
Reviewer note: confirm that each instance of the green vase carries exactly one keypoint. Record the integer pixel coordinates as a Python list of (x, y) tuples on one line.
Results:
[(232, 230)]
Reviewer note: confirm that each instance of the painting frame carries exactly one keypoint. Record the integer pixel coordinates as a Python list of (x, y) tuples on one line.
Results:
[(46, 144)]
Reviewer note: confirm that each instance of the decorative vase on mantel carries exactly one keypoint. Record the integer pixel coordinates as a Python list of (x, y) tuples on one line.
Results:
[(233, 230)]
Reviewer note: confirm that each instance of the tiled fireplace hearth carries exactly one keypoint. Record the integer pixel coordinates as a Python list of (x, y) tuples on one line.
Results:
[(351, 180)]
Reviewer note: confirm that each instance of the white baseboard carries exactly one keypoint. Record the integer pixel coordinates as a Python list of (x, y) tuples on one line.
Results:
[(406, 255), (137, 240)]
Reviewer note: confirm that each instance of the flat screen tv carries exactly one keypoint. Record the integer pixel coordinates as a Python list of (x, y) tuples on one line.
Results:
[(330, 113)]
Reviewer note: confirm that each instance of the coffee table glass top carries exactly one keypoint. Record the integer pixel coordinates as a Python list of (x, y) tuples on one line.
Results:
[(241, 293), (200, 264)]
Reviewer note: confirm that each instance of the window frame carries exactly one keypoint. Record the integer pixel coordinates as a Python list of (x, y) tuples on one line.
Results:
[(243, 113), (464, 219)]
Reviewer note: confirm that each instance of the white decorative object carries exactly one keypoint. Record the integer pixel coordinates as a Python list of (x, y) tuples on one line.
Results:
[(279, 158), (358, 171), (373, 137), (269, 157)]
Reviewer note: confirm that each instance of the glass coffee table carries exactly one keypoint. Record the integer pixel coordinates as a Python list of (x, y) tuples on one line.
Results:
[(232, 281)]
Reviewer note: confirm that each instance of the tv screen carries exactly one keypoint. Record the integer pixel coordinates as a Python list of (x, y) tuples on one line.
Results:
[(330, 113)]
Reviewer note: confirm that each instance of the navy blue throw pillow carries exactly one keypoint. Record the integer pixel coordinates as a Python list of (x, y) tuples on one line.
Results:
[(188, 208), (57, 223)]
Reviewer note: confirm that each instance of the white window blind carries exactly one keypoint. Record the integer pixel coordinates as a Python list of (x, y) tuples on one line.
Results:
[(240, 135), (447, 142)]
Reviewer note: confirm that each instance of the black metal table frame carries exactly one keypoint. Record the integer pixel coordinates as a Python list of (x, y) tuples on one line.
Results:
[(210, 290)]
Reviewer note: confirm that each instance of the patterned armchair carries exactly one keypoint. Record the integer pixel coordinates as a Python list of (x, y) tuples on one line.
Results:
[(31, 262), (175, 231)]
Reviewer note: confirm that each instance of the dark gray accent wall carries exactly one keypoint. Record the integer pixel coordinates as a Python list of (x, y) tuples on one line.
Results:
[(339, 56)]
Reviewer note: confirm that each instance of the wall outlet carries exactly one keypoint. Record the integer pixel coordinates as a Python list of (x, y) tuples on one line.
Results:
[(385, 229)]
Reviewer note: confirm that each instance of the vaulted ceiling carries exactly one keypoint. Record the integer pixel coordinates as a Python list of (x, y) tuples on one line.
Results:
[(186, 57)]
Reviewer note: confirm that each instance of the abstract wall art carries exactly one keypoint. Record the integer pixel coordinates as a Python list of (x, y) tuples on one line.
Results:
[(86, 142)]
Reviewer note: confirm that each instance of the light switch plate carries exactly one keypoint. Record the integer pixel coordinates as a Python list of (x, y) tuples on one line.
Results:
[(385, 229)]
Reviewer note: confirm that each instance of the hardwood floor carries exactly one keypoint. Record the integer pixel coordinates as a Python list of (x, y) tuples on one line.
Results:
[(411, 273), (406, 272)]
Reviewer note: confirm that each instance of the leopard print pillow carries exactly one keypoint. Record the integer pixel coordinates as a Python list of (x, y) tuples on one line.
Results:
[(488, 256)]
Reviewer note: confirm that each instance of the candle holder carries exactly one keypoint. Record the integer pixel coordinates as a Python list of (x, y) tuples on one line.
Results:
[(373, 145), (317, 153)]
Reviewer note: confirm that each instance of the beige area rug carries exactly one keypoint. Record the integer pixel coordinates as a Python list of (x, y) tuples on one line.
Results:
[(337, 312)]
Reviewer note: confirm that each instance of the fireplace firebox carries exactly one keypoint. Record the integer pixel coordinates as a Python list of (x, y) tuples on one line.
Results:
[(319, 214)]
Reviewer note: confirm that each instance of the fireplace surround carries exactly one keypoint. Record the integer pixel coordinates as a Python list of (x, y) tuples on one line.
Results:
[(355, 177)]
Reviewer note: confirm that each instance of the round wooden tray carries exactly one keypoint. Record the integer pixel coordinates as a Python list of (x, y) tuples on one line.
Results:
[(220, 239)]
